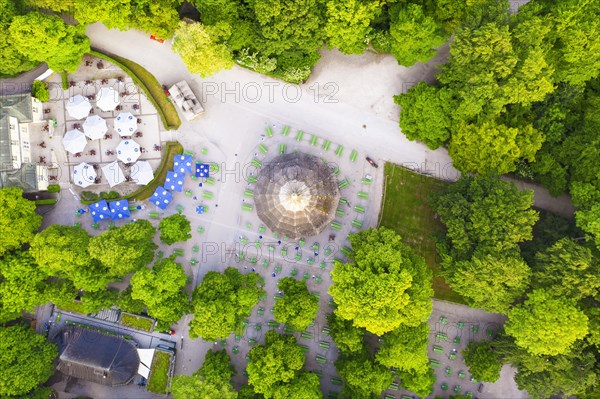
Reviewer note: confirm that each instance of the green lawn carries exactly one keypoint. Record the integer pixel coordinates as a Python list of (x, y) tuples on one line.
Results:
[(140, 323), (159, 372), (406, 210), (148, 83)]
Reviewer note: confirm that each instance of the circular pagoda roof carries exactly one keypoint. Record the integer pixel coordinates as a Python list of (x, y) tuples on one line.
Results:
[(296, 195)]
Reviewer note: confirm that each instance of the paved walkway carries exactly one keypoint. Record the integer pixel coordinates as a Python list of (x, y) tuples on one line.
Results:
[(21, 83)]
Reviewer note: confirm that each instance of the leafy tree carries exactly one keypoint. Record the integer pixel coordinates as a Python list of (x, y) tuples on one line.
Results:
[(26, 359), (568, 269), (298, 307), (126, 303), (276, 363), (571, 374), (483, 211), (289, 25), (305, 386), (94, 301), (211, 381), (39, 90), (363, 377), (492, 148), (414, 34), (62, 251), (386, 285), (46, 38), (125, 249), (11, 61), (348, 24), (22, 285), (589, 221), (200, 49), (546, 325), (419, 383), (192, 387), (216, 367), (222, 301), (576, 44), (115, 14), (490, 280), (481, 58), (426, 114), (246, 392), (157, 17), (483, 361), (405, 349), (174, 228), (18, 220), (162, 289), (347, 337)]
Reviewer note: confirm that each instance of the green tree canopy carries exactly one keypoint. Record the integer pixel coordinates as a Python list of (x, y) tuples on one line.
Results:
[(492, 148), (405, 349), (46, 38), (545, 324), (348, 24), (22, 285), (18, 220), (346, 336), (62, 251), (222, 301), (483, 211), (12, 61), (274, 364), (483, 361), (568, 269), (174, 228), (125, 249), (386, 285), (162, 289), (419, 383), (305, 386), (363, 378), (298, 307), (26, 358), (426, 114), (490, 280), (415, 35), (39, 90), (211, 381), (200, 47), (126, 303)]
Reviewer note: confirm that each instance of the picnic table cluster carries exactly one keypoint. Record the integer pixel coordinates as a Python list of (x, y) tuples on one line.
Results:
[(451, 355)]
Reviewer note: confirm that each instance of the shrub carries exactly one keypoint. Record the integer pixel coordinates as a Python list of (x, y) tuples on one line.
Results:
[(54, 188), (39, 90)]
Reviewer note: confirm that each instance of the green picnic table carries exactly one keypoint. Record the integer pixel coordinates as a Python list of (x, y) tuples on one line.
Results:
[(282, 148), (353, 155), (456, 340), (363, 194), (444, 386), (256, 163), (252, 179), (357, 223), (207, 195), (359, 209), (247, 207), (285, 130), (340, 213), (260, 311), (438, 349), (339, 150), (448, 371), (299, 135), (343, 184), (248, 193), (326, 145), (200, 229), (461, 374), (457, 389), (269, 131), (443, 320), (313, 140), (321, 359), (322, 265), (294, 273)]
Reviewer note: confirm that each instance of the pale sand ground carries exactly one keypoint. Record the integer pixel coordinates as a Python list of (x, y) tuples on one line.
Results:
[(348, 100)]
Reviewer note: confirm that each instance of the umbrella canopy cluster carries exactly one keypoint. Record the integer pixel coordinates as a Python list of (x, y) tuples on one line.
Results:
[(99, 211), (128, 151), (84, 175), (78, 106), (74, 141), (142, 173), (94, 127), (296, 195), (107, 99), (125, 124), (119, 209), (113, 173), (182, 163), (174, 181), (161, 197)]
